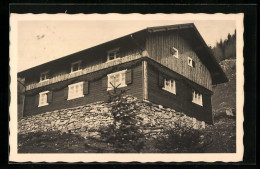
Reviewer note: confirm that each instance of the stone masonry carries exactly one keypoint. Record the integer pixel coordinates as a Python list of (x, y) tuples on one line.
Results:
[(87, 120)]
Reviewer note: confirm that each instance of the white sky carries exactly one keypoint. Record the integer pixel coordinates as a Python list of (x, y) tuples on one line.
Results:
[(41, 41)]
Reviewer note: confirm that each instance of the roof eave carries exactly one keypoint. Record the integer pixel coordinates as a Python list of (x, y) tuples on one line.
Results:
[(223, 78)]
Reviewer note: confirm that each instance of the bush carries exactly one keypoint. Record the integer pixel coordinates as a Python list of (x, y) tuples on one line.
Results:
[(182, 138), (126, 133)]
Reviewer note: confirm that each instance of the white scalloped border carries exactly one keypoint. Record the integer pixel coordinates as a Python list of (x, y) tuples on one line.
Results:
[(79, 157)]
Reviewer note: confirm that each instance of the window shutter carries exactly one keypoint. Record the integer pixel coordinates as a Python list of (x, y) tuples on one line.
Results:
[(193, 63), (128, 79), (66, 92), (49, 97), (85, 87), (104, 83), (36, 100), (161, 80)]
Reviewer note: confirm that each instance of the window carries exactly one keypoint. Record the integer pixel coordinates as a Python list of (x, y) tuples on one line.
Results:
[(196, 97), (191, 62), (44, 76), (117, 79), (75, 91), (112, 54), (43, 99), (76, 66), (170, 85), (174, 52)]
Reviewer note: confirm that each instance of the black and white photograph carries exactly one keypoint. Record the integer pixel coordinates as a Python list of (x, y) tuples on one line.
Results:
[(126, 87)]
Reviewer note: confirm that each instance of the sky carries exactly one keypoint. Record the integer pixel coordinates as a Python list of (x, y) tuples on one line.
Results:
[(40, 41)]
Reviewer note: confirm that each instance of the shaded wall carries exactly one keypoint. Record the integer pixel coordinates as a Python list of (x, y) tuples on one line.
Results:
[(97, 90), (182, 101)]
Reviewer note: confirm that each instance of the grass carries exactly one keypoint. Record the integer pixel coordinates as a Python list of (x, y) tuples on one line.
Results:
[(222, 134)]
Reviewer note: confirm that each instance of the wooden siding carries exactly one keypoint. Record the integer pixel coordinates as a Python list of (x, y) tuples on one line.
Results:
[(20, 97), (96, 92), (158, 46), (62, 75), (182, 101)]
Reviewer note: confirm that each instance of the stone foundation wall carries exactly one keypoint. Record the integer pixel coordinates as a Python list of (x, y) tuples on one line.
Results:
[(87, 120)]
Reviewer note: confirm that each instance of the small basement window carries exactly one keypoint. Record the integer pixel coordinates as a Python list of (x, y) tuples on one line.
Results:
[(170, 85), (43, 98), (191, 62), (76, 66), (117, 79), (197, 97), (75, 91), (174, 52), (113, 54), (44, 76)]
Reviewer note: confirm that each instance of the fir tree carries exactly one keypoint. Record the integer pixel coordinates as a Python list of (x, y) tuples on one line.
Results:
[(126, 133)]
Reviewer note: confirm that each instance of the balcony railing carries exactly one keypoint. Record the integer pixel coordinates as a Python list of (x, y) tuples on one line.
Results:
[(86, 70)]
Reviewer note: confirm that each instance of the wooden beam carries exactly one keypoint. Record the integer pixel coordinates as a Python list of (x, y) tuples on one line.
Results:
[(145, 80)]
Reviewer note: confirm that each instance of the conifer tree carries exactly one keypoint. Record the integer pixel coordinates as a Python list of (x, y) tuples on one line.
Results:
[(126, 132)]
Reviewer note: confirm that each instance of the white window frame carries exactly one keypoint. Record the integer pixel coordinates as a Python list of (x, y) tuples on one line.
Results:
[(74, 63), (190, 62), (45, 74), (197, 98), (122, 80), (43, 94), (176, 55), (72, 87), (116, 50), (172, 86)]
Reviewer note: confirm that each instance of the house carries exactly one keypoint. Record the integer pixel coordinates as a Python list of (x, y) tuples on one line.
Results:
[(167, 65), (20, 96)]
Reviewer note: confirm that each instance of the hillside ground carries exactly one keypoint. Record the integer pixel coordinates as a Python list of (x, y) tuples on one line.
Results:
[(224, 96)]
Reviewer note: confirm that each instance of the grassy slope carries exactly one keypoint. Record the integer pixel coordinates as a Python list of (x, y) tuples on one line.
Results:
[(54, 142), (225, 94)]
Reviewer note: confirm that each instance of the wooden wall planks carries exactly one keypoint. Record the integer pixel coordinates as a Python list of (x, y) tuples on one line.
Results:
[(181, 101), (158, 47), (96, 93)]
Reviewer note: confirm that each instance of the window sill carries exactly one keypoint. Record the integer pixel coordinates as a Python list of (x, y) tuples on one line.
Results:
[(108, 89), (197, 104), (112, 60), (44, 80), (43, 105), (169, 91), (71, 98), (75, 71)]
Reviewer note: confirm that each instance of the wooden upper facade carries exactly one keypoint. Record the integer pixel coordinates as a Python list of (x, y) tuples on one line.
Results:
[(178, 47), (173, 51)]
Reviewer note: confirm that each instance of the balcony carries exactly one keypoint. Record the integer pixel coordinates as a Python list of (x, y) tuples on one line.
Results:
[(86, 70)]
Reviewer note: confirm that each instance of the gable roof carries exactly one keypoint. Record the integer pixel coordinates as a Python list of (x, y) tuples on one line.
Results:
[(188, 31)]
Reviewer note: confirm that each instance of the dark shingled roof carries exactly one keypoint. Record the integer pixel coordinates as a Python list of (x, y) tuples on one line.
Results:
[(188, 31)]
